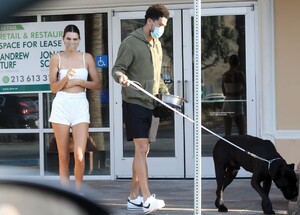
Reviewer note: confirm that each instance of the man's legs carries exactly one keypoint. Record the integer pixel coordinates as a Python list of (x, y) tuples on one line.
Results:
[(240, 124), (140, 169), (138, 121)]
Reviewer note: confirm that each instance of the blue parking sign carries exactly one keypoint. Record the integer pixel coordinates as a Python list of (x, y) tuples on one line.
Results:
[(101, 61)]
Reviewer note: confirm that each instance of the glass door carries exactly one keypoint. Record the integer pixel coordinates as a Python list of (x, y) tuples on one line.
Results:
[(166, 157), (228, 78)]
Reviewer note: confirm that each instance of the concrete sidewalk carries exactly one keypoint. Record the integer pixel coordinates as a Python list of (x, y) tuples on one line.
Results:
[(239, 197)]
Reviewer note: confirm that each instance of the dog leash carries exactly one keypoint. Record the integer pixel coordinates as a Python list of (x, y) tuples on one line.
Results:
[(247, 152), (138, 86)]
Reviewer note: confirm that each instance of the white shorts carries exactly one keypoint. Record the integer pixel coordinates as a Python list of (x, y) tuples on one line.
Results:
[(70, 108)]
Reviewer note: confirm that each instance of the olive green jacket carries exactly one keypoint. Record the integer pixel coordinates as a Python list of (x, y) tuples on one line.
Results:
[(140, 60)]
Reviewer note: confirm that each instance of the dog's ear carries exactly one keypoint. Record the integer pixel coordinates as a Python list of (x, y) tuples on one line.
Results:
[(277, 173), (292, 166)]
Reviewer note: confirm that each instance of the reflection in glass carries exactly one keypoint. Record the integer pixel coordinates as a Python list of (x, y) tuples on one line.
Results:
[(222, 36), (97, 156), (164, 146), (19, 153), (234, 89), (19, 111)]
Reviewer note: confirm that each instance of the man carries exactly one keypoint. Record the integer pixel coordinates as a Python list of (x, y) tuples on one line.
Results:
[(140, 59)]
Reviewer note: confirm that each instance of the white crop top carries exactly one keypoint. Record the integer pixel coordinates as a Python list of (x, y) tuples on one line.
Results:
[(81, 73)]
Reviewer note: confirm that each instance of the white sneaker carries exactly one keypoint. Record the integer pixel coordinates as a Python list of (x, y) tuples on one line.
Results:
[(153, 204), (135, 204)]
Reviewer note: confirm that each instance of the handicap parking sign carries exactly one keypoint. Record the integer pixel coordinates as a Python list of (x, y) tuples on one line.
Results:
[(101, 61)]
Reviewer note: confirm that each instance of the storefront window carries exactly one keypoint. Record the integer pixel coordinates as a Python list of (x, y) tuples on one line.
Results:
[(19, 121), (97, 155), (19, 111), (223, 78), (19, 153)]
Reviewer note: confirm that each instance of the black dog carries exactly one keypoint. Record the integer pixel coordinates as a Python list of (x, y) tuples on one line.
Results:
[(228, 160)]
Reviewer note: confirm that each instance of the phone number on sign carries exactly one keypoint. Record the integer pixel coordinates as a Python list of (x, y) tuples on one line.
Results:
[(25, 79)]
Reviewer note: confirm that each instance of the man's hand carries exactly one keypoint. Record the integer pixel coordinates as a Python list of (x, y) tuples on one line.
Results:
[(123, 80)]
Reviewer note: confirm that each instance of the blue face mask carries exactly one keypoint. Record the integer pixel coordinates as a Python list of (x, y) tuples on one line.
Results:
[(157, 32)]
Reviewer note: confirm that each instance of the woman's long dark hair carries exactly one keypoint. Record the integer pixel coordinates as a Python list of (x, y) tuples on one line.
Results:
[(71, 28)]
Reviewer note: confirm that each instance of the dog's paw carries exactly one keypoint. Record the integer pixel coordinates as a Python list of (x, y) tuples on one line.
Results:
[(269, 212), (222, 208), (267, 208), (217, 204)]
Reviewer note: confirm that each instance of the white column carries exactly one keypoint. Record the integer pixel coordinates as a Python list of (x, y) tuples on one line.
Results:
[(266, 69)]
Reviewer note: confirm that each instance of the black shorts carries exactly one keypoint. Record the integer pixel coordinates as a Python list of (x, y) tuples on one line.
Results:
[(137, 120)]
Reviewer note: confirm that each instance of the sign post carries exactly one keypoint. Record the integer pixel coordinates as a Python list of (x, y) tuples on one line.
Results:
[(197, 106)]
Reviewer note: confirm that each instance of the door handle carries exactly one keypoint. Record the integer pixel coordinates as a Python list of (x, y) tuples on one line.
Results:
[(178, 87), (186, 91)]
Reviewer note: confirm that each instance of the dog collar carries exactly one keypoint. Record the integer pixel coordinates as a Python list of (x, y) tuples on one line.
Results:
[(270, 161)]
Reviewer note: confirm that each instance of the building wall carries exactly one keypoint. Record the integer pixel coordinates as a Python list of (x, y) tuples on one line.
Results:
[(71, 4), (287, 46)]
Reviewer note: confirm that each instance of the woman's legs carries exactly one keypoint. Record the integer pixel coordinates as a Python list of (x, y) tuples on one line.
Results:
[(62, 133), (80, 134), (227, 125)]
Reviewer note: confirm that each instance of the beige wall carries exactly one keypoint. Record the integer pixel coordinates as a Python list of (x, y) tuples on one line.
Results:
[(289, 150), (287, 67), (287, 64)]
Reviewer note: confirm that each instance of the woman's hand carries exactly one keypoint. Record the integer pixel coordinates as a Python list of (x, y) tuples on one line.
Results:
[(71, 83), (70, 73)]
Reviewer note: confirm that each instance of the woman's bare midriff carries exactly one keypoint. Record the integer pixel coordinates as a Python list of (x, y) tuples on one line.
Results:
[(76, 89)]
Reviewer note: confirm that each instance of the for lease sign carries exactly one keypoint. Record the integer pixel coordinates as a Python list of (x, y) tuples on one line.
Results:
[(25, 51)]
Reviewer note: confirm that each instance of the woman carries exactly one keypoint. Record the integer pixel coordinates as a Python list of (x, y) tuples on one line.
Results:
[(71, 72)]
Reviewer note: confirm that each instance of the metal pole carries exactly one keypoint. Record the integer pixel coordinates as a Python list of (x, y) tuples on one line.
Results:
[(197, 106)]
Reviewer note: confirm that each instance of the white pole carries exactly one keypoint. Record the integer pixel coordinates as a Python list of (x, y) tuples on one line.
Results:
[(197, 105)]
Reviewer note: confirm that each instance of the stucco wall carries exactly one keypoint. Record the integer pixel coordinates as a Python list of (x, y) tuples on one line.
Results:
[(289, 150), (71, 4), (287, 59), (287, 71)]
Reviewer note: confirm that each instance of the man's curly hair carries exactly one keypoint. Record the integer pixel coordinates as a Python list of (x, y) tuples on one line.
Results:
[(156, 11)]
